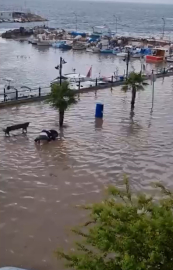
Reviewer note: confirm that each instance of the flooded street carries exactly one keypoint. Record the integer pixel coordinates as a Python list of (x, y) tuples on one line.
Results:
[(41, 185)]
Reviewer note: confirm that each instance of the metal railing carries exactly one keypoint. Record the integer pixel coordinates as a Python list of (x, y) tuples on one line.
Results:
[(30, 93)]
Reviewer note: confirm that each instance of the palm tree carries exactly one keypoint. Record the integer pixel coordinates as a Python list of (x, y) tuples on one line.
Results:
[(135, 82), (61, 97)]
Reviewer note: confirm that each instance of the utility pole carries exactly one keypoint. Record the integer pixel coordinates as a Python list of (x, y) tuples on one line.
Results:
[(60, 71), (127, 64)]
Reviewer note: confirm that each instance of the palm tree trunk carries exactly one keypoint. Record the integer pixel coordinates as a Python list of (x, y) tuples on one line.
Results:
[(133, 98), (61, 117)]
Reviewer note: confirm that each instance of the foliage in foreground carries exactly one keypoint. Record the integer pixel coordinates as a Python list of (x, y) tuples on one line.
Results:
[(135, 82), (61, 97), (125, 233)]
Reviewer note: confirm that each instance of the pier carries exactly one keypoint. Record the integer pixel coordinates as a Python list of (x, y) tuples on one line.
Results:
[(40, 93)]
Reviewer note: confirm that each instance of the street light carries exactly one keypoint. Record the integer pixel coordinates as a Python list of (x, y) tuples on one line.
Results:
[(127, 60), (59, 67)]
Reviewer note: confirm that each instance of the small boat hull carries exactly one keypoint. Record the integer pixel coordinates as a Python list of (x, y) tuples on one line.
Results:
[(121, 54), (169, 60), (153, 58), (66, 47), (89, 50), (106, 51)]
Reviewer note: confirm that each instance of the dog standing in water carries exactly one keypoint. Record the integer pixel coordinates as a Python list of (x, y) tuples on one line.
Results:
[(47, 135)]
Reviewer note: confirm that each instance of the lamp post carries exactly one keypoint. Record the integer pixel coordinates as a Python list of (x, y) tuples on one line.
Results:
[(59, 67), (127, 59)]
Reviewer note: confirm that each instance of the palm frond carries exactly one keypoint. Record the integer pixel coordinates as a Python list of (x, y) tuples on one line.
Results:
[(125, 88), (61, 96), (136, 80)]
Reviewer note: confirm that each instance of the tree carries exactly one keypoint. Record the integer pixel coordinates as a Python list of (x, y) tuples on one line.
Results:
[(135, 82), (61, 97), (125, 233)]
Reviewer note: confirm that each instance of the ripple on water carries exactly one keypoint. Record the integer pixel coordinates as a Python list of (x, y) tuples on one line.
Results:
[(140, 146)]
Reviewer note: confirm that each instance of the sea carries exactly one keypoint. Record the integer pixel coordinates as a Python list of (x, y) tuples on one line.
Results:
[(42, 186), (133, 18), (34, 66)]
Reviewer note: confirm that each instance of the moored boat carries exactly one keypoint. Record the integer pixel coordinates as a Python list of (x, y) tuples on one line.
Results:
[(121, 54), (66, 46), (106, 51), (79, 46), (169, 59), (159, 55), (58, 44), (96, 50)]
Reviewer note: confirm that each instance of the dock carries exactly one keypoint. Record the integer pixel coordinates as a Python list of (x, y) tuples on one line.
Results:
[(40, 94)]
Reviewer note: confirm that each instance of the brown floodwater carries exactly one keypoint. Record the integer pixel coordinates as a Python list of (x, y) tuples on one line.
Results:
[(41, 185)]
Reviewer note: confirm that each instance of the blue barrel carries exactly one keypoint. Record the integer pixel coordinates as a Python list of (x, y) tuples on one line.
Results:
[(121, 78), (99, 110)]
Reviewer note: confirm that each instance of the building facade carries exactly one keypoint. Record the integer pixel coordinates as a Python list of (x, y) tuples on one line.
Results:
[(6, 15)]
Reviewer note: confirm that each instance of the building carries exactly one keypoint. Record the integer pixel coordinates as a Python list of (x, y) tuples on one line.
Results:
[(6, 15)]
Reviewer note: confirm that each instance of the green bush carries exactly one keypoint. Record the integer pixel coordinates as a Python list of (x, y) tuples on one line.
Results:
[(125, 232)]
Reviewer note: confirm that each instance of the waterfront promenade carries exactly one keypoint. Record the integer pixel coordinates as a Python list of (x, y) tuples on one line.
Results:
[(40, 94)]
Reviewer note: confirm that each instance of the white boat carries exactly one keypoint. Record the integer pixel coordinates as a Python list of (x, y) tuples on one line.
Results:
[(169, 59), (33, 41), (44, 43), (75, 79), (79, 46), (136, 55), (121, 54), (89, 50), (96, 50)]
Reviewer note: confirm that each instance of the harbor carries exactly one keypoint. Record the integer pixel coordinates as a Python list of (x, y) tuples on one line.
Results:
[(93, 46)]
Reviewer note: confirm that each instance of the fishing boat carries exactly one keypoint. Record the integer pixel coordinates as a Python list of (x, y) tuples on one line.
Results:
[(33, 41), (76, 81), (106, 51), (45, 42), (66, 46), (169, 59), (122, 54), (116, 50), (58, 44), (79, 46), (136, 55), (89, 50), (159, 55), (96, 50)]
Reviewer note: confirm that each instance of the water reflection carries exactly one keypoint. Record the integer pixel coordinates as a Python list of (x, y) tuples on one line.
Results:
[(98, 123)]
